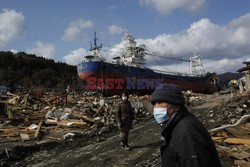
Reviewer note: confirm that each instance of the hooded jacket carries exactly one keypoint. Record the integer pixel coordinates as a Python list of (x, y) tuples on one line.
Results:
[(187, 143)]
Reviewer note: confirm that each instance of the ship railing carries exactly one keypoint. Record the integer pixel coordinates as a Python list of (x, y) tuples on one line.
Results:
[(178, 73)]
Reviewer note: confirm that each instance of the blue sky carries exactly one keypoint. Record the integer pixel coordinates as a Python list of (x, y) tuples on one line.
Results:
[(62, 29)]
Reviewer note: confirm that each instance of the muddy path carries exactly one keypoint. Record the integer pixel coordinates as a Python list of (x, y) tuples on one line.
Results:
[(144, 140)]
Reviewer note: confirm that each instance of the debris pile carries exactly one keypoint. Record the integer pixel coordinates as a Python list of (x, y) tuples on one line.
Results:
[(52, 115), (229, 112), (193, 99), (232, 137)]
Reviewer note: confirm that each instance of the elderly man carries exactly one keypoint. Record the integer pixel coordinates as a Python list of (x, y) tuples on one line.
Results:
[(124, 119), (187, 142)]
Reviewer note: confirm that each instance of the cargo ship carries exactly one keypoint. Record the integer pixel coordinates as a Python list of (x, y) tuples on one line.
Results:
[(127, 72)]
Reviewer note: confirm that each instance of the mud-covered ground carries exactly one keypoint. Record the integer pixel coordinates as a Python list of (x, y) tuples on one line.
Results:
[(104, 151)]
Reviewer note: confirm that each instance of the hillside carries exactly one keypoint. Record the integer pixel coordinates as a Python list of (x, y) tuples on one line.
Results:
[(227, 77), (30, 71)]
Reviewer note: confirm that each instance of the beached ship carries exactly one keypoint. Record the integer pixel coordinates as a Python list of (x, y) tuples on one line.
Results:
[(128, 72)]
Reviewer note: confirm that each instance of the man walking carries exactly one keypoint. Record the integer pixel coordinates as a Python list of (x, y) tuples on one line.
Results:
[(124, 119), (187, 142)]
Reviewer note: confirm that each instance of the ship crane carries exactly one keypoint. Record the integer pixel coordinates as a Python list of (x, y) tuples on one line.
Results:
[(165, 56), (196, 66)]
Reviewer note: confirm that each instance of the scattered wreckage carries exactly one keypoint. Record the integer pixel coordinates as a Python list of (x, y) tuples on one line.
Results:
[(41, 116), (29, 116)]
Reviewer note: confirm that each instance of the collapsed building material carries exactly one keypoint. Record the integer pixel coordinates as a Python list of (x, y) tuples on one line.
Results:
[(66, 123), (245, 85), (38, 129), (237, 141), (242, 163), (227, 126)]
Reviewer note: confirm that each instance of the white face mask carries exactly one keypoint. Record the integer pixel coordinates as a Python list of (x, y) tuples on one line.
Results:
[(124, 97), (161, 114)]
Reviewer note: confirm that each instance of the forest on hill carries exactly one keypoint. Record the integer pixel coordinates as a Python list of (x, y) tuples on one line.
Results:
[(30, 71)]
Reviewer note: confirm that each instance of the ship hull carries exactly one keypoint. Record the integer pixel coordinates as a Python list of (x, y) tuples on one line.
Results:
[(96, 72)]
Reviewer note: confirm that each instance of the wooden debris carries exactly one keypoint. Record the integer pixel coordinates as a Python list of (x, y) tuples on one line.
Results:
[(24, 136), (243, 118), (237, 141), (38, 129), (241, 131), (66, 123), (242, 163)]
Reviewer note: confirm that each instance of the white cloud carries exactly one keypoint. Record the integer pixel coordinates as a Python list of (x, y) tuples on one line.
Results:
[(221, 47), (11, 26), (224, 65), (75, 31), (210, 40), (219, 66), (75, 57), (114, 29), (14, 51), (167, 6), (46, 50)]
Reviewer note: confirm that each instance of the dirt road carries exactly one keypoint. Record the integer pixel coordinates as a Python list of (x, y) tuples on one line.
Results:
[(144, 140)]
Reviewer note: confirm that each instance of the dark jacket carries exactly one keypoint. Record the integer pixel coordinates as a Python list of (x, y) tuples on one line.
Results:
[(124, 115), (187, 143)]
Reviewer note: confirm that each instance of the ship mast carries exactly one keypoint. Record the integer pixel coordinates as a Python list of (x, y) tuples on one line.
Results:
[(96, 51), (96, 47)]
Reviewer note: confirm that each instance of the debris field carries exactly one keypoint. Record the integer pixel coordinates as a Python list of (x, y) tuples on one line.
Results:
[(41, 122)]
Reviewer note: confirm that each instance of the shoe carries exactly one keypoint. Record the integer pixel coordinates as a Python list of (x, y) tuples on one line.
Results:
[(126, 147), (122, 145)]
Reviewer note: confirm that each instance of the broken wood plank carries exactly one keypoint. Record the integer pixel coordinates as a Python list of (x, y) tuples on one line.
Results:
[(98, 111), (17, 131), (222, 152), (88, 119), (218, 139), (8, 110), (38, 129), (66, 123), (24, 136), (242, 163), (21, 118), (237, 141), (242, 131)]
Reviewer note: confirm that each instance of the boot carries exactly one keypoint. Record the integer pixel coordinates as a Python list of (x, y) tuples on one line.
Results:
[(126, 147), (122, 145)]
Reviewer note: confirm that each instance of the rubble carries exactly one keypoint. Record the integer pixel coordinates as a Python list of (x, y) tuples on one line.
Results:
[(25, 116), (43, 117), (232, 135)]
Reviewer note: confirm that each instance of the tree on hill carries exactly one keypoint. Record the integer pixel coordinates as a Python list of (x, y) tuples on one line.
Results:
[(29, 71)]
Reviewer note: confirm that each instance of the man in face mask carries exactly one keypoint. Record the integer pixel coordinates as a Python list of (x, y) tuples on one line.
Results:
[(187, 142), (124, 119)]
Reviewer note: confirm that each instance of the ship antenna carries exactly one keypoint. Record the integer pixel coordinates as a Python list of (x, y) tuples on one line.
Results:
[(95, 47), (126, 29), (91, 46), (95, 41)]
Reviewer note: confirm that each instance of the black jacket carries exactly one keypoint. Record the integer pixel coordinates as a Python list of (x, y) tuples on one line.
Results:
[(124, 115), (187, 143)]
